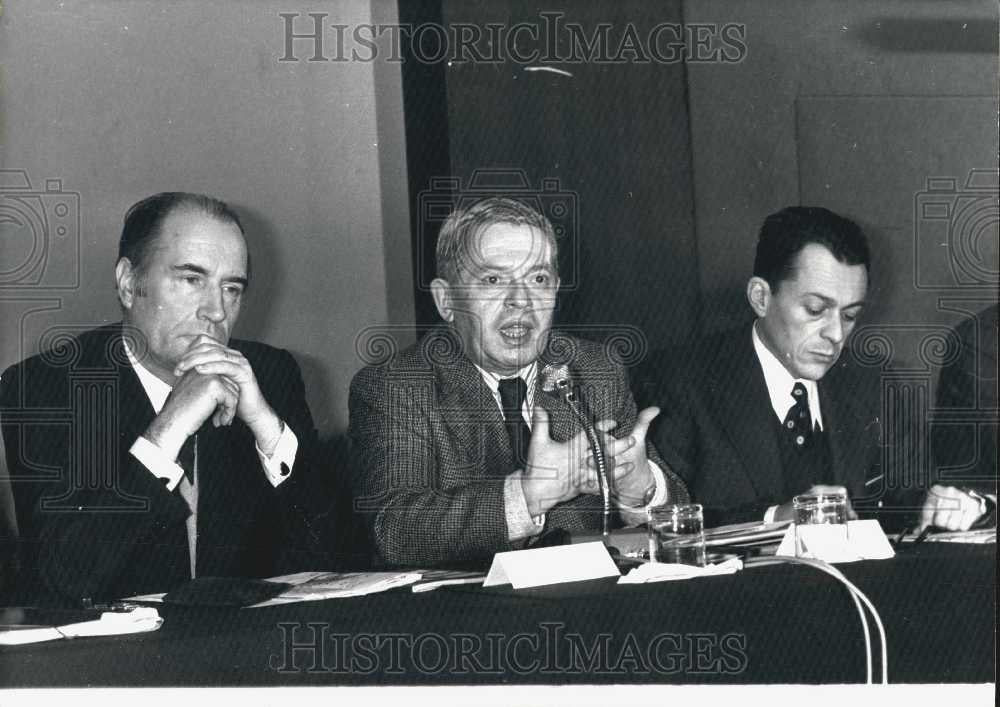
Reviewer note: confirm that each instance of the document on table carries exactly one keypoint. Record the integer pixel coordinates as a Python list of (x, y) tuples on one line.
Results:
[(981, 536), (111, 623), (746, 533), (315, 586)]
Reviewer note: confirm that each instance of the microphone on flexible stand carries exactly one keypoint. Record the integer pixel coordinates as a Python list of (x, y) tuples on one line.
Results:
[(556, 380)]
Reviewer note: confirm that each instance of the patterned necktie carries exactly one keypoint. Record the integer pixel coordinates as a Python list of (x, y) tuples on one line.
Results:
[(798, 421), (513, 392)]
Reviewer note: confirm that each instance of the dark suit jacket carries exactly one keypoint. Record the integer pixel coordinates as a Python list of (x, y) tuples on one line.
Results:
[(94, 522), (965, 436), (718, 429), (432, 454)]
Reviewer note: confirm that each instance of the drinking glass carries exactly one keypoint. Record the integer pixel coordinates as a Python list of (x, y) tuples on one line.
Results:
[(677, 534)]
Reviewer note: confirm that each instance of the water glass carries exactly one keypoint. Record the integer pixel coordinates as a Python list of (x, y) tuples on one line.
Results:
[(677, 534), (819, 509)]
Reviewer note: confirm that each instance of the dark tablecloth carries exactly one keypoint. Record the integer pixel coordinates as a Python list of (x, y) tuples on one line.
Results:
[(774, 624)]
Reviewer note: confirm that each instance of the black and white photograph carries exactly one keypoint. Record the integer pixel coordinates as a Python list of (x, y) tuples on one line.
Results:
[(499, 351)]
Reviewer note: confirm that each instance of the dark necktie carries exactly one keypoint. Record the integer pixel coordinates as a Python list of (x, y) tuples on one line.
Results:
[(187, 458), (513, 392), (798, 421)]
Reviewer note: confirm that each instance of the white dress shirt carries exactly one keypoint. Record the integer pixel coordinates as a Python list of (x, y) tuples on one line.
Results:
[(520, 523), (277, 467)]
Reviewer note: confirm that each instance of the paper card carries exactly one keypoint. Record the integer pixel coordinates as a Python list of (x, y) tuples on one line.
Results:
[(869, 540), (863, 540), (551, 565)]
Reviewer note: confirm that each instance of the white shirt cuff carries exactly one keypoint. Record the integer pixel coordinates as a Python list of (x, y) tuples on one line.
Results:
[(520, 523), (278, 466), (637, 515), (769, 514), (660, 497), (158, 463)]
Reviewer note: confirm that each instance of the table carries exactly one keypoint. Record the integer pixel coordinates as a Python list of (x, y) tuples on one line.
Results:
[(774, 624)]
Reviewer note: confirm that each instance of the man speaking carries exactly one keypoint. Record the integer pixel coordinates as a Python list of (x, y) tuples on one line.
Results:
[(156, 450), (460, 453)]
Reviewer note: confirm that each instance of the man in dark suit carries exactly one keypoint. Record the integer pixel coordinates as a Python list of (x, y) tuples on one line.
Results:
[(446, 466), (145, 453), (965, 442), (754, 416)]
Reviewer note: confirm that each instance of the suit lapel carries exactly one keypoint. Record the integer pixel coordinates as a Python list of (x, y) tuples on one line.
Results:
[(134, 412), (741, 401), (472, 417), (846, 451)]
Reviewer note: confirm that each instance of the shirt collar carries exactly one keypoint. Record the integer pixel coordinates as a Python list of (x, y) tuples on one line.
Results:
[(780, 383), (156, 390), (492, 380)]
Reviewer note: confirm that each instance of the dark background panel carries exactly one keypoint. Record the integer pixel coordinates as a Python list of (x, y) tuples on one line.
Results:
[(602, 147)]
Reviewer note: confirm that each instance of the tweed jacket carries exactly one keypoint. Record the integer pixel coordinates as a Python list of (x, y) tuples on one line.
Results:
[(431, 452)]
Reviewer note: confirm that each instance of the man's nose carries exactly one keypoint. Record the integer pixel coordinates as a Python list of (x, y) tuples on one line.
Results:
[(212, 306), (833, 329), (516, 295)]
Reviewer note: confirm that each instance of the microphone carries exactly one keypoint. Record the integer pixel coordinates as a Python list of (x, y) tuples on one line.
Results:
[(557, 381)]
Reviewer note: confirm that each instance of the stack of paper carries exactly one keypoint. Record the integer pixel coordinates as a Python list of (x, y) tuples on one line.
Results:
[(746, 533), (314, 586)]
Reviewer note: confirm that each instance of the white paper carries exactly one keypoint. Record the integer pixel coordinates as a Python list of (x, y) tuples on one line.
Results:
[(315, 586), (863, 540), (667, 572), (111, 623), (551, 565)]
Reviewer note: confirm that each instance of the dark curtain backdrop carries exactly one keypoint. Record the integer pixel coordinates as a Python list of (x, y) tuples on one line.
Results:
[(605, 151)]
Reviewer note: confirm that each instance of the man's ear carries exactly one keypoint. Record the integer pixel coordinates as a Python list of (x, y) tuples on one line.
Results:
[(759, 295), (441, 292), (127, 281)]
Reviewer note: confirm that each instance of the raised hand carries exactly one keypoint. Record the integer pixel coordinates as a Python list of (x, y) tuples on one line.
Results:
[(557, 471)]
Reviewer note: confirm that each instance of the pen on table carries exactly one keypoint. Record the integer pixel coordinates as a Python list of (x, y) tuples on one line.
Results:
[(923, 535), (874, 480)]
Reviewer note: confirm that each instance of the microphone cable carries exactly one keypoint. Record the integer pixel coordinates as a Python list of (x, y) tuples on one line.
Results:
[(857, 596), (557, 381)]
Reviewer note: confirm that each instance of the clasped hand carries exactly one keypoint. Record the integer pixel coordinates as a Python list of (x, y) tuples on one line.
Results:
[(218, 382)]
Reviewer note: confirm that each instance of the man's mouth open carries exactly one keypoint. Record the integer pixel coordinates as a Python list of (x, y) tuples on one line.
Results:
[(516, 333)]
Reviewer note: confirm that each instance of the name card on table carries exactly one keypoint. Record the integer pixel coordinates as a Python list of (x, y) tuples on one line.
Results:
[(551, 565), (860, 540)]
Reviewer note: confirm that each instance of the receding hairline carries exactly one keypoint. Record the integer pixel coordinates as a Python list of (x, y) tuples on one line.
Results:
[(157, 243)]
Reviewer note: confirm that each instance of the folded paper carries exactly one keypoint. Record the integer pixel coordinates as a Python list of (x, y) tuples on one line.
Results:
[(551, 565), (858, 540)]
